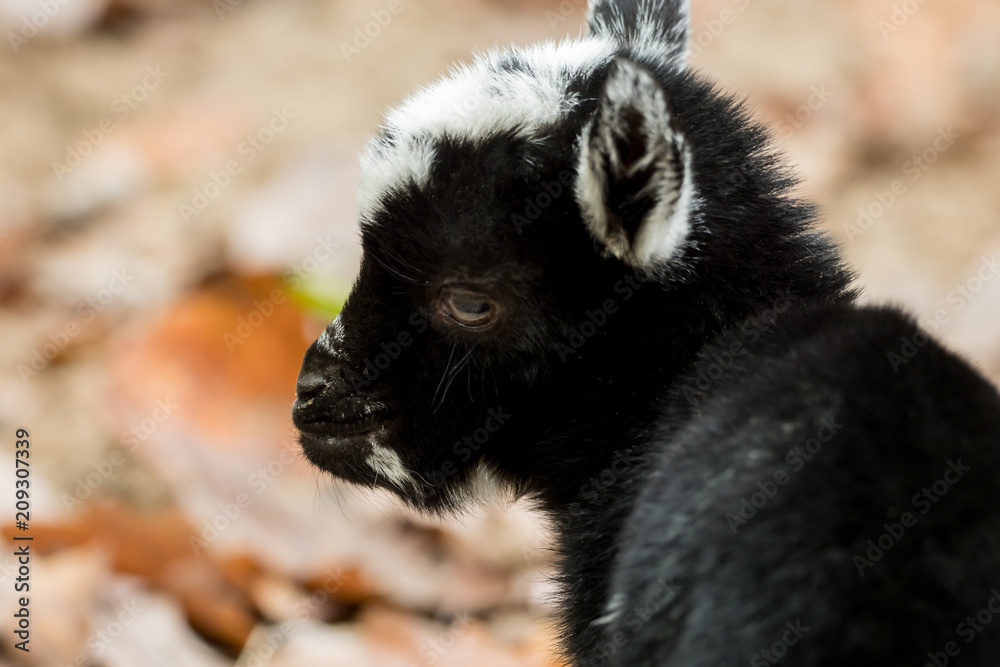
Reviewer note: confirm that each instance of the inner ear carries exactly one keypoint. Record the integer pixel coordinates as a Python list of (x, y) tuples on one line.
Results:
[(629, 195), (634, 180), (630, 144)]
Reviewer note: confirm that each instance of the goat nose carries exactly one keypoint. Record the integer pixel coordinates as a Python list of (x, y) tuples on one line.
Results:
[(315, 374), (309, 384)]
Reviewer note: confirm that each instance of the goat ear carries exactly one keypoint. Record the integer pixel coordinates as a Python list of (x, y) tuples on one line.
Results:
[(658, 24), (634, 182)]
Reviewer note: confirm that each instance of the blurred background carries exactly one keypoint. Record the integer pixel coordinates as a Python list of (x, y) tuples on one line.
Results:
[(176, 225)]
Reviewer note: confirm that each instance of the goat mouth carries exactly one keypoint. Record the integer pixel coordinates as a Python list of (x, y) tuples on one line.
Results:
[(347, 419)]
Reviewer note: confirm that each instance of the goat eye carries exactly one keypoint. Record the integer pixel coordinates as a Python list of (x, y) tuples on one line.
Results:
[(469, 309)]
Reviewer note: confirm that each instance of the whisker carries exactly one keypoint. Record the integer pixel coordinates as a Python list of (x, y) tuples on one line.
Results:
[(496, 387), (468, 386), (445, 373), (400, 260), (458, 369), (395, 271)]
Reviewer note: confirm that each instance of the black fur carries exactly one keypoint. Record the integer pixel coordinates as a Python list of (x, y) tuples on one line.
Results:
[(646, 408)]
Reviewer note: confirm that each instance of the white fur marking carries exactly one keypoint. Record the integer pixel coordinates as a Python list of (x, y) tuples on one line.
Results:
[(387, 463), (668, 224), (386, 168), (612, 611), (482, 488), (472, 103), (647, 31), (331, 337), (481, 98), (664, 230)]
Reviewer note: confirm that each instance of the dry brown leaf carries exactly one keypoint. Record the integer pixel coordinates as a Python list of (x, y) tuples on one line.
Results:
[(155, 548)]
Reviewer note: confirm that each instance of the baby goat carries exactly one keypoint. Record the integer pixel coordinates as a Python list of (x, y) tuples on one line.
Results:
[(585, 281)]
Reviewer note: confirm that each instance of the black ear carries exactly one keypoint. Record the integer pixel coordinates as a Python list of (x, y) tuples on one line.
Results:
[(634, 183), (660, 25)]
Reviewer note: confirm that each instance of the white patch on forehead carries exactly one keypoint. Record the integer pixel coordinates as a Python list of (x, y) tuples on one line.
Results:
[(386, 463), (385, 168), (478, 99), (472, 103)]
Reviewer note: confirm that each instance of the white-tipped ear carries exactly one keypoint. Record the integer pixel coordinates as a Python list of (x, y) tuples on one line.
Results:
[(660, 25), (634, 184)]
